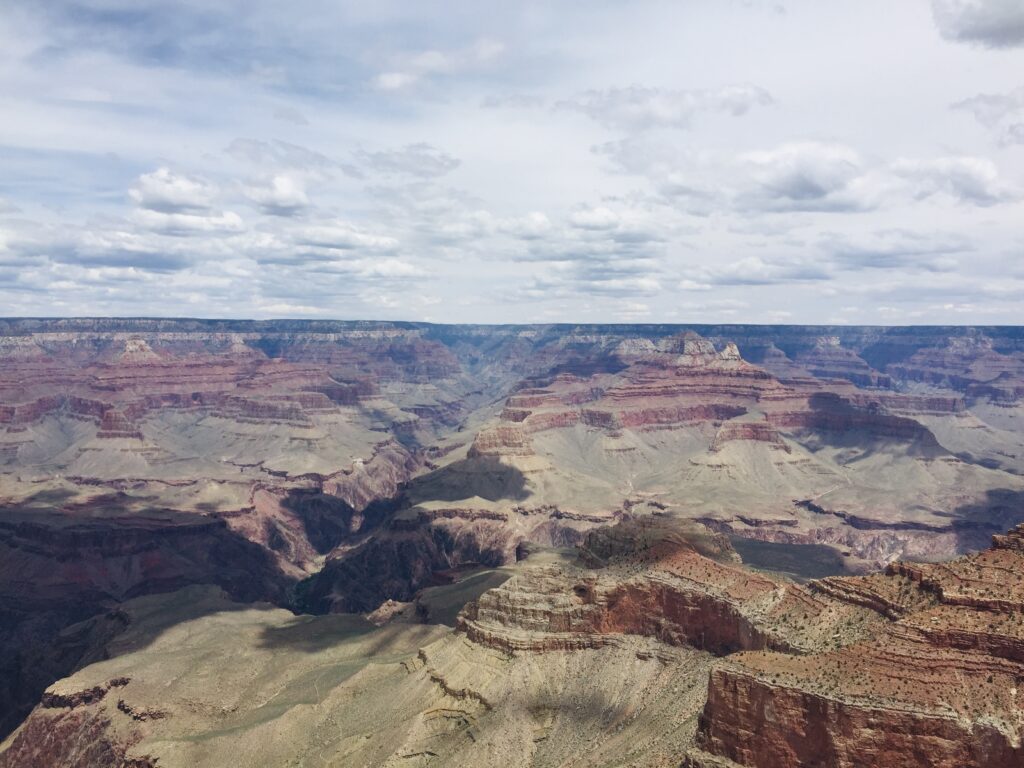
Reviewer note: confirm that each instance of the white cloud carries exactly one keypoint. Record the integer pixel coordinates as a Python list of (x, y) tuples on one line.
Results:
[(805, 177), (166, 192), (422, 65), (342, 236), (757, 270), (600, 218), (390, 268), (971, 180), (990, 23), (364, 151), (533, 226), (188, 223), (283, 195)]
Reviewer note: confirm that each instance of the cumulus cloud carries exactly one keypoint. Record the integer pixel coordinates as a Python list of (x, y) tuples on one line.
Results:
[(805, 177), (283, 195), (597, 251), (177, 204), (184, 224), (166, 192), (969, 180), (793, 177), (113, 247), (639, 108), (380, 156), (990, 23), (343, 236), (118, 248)]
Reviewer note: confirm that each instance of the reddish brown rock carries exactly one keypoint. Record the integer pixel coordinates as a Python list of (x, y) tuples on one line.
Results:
[(937, 686)]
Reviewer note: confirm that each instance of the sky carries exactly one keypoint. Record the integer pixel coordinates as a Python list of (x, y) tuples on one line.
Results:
[(686, 161)]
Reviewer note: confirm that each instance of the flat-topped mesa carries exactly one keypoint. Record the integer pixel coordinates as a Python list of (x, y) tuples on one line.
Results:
[(116, 424), (903, 404), (553, 407), (942, 671), (653, 581), (685, 382), (501, 440), (742, 429), (690, 345)]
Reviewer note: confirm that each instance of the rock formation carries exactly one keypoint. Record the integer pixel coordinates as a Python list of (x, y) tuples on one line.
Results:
[(386, 468)]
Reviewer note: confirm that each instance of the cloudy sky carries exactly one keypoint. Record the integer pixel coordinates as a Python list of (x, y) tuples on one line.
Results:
[(490, 161)]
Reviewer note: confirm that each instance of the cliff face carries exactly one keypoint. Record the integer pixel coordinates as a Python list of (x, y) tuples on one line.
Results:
[(59, 569), (935, 687), (915, 667), (656, 646), (367, 462)]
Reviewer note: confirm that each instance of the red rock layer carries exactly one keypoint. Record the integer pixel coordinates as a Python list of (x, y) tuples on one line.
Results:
[(658, 583), (936, 687), (76, 739), (684, 381)]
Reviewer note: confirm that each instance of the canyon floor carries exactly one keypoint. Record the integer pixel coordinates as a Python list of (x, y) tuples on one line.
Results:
[(376, 544)]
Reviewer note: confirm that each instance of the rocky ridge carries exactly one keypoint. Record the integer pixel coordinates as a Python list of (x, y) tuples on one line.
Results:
[(348, 464)]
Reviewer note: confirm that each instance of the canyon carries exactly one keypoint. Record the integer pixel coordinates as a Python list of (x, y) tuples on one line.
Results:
[(358, 543)]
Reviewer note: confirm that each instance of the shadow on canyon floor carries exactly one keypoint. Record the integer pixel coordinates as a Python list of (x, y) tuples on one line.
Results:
[(865, 431), (483, 476), (314, 634), (974, 524), (66, 568), (801, 562), (38, 648)]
